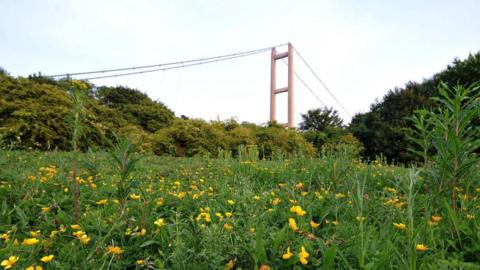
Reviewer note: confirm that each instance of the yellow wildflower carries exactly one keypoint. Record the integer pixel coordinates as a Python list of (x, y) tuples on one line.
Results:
[(140, 262), (292, 224), (53, 234), (287, 255), (10, 262), (228, 214), (135, 197), (313, 224), (360, 218), (5, 237), (35, 233), (30, 241), (229, 265), (436, 218), (160, 222), (231, 202), (298, 210), (114, 250), (47, 259), (227, 226), (84, 239), (101, 202), (276, 201), (399, 226), (421, 247), (303, 255), (33, 267), (75, 227), (391, 190), (45, 209)]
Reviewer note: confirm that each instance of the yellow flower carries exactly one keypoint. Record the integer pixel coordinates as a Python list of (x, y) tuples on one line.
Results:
[(436, 218), (313, 224), (114, 250), (276, 201), (470, 217), (298, 210), (35, 233), (303, 255), (75, 227), (5, 237), (102, 202), (227, 226), (287, 255), (53, 234), (391, 190), (140, 262), (421, 247), (400, 226), (135, 197), (45, 209), (84, 239), (339, 195), (229, 265), (47, 259), (231, 202), (228, 214), (360, 218), (160, 222), (10, 262), (65, 190), (33, 267), (292, 224), (30, 241), (299, 186), (257, 198)]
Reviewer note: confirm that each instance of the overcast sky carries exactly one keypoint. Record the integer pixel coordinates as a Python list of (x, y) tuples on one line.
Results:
[(360, 49)]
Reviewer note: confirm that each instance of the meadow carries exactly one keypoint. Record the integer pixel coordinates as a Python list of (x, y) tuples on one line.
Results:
[(333, 212)]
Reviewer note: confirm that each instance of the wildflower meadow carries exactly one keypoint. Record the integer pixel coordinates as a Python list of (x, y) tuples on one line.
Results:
[(121, 209)]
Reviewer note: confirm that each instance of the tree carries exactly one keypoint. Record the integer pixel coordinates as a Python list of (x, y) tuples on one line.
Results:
[(136, 107), (321, 119), (384, 129)]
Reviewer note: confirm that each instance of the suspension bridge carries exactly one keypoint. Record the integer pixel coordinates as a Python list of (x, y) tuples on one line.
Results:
[(287, 58)]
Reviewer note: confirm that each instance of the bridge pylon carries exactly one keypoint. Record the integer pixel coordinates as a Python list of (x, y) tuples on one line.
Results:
[(289, 89)]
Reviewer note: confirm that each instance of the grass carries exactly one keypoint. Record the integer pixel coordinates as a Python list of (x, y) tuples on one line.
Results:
[(199, 213)]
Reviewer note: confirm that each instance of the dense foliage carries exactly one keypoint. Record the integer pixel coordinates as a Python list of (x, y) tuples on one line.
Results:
[(34, 114), (384, 129)]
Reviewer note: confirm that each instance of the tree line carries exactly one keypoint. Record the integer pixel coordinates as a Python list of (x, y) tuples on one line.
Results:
[(34, 112)]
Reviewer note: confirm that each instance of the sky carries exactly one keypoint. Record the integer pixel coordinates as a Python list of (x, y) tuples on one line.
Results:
[(359, 49)]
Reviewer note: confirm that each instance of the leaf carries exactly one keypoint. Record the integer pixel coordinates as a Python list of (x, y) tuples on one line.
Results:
[(329, 257), (260, 252), (149, 243), (21, 215)]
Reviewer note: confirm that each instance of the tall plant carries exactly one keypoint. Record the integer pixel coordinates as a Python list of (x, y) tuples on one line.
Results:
[(124, 162), (78, 94), (453, 136)]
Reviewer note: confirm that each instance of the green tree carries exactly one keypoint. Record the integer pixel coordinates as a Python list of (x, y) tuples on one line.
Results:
[(136, 107), (384, 129), (321, 119)]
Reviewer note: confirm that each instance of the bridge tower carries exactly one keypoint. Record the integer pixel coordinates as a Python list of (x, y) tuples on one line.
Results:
[(289, 89)]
